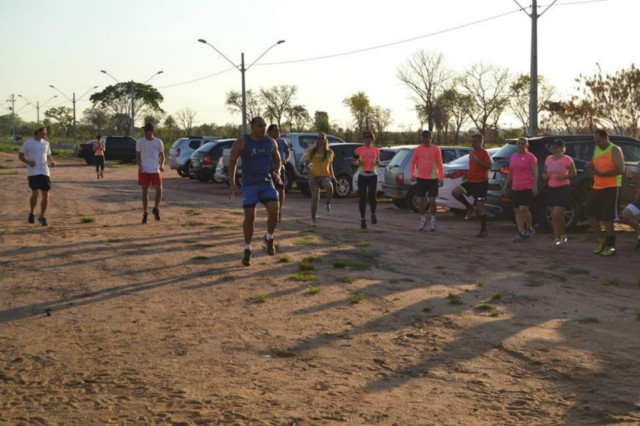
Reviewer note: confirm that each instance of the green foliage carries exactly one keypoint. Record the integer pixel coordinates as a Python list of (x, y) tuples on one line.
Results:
[(87, 219), (356, 298), (313, 290)]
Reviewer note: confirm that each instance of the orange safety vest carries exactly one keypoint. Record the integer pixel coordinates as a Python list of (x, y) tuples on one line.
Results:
[(603, 162)]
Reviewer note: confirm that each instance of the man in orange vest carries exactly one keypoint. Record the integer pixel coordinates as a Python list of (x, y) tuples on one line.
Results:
[(607, 168)]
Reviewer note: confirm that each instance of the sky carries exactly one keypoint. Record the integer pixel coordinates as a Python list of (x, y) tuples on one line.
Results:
[(66, 43)]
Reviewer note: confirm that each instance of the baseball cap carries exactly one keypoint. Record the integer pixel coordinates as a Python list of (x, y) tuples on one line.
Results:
[(148, 127), (367, 135), (557, 142), (426, 133)]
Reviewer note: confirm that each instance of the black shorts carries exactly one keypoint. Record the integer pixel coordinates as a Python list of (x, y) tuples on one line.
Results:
[(427, 186), (603, 204), (559, 196), (41, 182), (523, 197), (477, 190)]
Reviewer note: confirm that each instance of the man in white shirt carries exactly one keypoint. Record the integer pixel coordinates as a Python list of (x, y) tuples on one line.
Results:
[(150, 160), (36, 154)]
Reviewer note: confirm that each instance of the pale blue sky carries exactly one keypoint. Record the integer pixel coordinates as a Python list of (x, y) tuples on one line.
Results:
[(67, 42)]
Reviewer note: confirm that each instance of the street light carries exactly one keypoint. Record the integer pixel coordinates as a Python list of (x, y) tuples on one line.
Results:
[(133, 97), (37, 105), (73, 101), (242, 70)]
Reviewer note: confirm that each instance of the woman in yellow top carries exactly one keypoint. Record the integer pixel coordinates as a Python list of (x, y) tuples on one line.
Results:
[(98, 156), (319, 163)]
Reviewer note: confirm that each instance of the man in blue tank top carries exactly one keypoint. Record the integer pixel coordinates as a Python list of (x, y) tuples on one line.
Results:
[(260, 163)]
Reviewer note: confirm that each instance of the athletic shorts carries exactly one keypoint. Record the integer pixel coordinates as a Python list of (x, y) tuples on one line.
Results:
[(603, 204), (149, 179), (319, 182), (558, 196), (427, 186), (477, 190), (634, 207), (524, 197), (258, 193), (41, 182)]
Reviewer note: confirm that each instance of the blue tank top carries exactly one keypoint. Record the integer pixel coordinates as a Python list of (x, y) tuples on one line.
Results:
[(283, 148), (256, 160)]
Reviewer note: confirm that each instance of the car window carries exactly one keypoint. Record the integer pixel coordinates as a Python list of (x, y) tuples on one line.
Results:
[(506, 151), (399, 158), (387, 155), (333, 139), (460, 160), (194, 144), (307, 141), (630, 151), (176, 143), (448, 155), (582, 151)]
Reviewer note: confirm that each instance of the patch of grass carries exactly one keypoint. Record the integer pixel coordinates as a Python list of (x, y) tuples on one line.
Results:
[(340, 264), (262, 298), (356, 298), (485, 307), (10, 147), (217, 227), (204, 245), (612, 283), (495, 313), (346, 280), (426, 309), (311, 259), (496, 295), (284, 259), (227, 277), (14, 172), (192, 212), (454, 299), (6, 166), (87, 219), (306, 241), (588, 320), (118, 165), (200, 258), (440, 267), (306, 266), (401, 280), (313, 290), (8, 160), (191, 241), (480, 283), (114, 240), (638, 315), (576, 271), (360, 244), (303, 276)]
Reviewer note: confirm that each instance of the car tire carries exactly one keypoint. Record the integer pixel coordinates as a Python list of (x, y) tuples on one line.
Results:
[(412, 200), (204, 178), (342, 186), (571, 216), (187, 170), (89, 161), (181, 172)]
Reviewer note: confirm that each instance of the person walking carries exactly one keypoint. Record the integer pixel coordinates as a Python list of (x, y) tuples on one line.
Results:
[(98, 156), (630, 215), (319, 163), (601, 207), (36, 154), (476, 184), (523, 179), (427, 171), (558, 170), (260, 165), (285, 153), (367, 157), (150, 160)]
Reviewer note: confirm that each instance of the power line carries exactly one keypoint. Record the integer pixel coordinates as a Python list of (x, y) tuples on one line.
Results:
[(197, 79)]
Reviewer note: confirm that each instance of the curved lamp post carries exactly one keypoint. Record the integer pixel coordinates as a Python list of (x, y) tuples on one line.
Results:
[(73, 101)]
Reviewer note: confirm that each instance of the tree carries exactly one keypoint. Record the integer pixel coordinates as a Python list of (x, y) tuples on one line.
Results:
[(278, 100), (426, 75), (171, 124), (572, 116), (360, 108), (63, 115), (298, 118), (185, 119), (380, 120), (460, 103), (488, 86), (321, 122), (117, 100), (97, 119), (234, 104), (519, 98)]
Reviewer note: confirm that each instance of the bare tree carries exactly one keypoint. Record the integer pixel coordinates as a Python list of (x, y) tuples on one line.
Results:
[(234, 104), (360, 108), (298, 118), (185, 119), (427, 77), (380, 121), (488, 86), (277, 100), (519, 98)]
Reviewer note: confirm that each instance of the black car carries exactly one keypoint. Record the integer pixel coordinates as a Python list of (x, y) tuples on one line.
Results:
[(122, 148), (578, 147), (205, 159), (343, 169)]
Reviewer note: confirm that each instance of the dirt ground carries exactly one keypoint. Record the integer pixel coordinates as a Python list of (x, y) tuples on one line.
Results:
[(115, 322)]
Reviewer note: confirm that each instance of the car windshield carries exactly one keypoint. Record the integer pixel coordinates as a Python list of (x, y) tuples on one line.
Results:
[(387, 154), (506, 151), (176, 143), (206, 147), (460, 160), (398, 159)]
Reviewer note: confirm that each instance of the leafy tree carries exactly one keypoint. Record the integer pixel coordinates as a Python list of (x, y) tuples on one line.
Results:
[(459, 104), (298, 118), (234, 104), (488, 86), (185, 118), (171, 124), (360, 108), (278, 100), (427, 76), (321, 122), (97, 119), (63, 115), (572, 116), (117, 100), (519, 98)]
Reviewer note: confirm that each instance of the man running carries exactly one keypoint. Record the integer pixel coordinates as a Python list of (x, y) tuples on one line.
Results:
[(427, 159), (477, 182), (602, 204), (260, 165), (36, 154), (150, 160), (630, 214), (285, 152)]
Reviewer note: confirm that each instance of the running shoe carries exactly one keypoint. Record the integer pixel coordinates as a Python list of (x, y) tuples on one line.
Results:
[(268, 244), (599, 248), (423, 223), (482, 234), (363, 224), (374, 219), (562, 242), (608, 251), (327, 209), (43, 221), (530, 232), (433, 226), (520, 236), (314, 222), (32, 219), (469, 214), (156, 213), (246, 259), (144, 217)]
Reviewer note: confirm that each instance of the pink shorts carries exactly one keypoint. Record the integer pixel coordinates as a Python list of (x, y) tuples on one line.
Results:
[(149, 179)]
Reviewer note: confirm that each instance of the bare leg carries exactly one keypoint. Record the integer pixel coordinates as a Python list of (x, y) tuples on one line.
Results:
[(329, 188), (272, 218), (44, 203), (422, 205), (557, 217), (432, 206), (315, 198), (248, 224), (34, 199), (158, 196), (281, 193), (631, 220), (145, 198), (520, 218)]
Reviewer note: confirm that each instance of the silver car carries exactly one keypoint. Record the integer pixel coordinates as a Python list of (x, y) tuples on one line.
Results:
[(181, 150)]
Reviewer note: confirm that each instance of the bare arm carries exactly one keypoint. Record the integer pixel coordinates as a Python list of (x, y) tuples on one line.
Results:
[(275, 157), (139, 160), (161, 161), (23, 159), (534, 172), (237, 148)]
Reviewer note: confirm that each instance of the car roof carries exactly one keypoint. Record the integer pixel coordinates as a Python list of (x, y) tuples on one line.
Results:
[(568, 138)]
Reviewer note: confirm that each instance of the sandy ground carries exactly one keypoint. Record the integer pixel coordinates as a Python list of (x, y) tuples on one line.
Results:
[(115, 322)]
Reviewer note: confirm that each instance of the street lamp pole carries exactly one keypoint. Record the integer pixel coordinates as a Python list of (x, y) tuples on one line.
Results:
[(73, 101), (37, 105), (242, 70), (12, 99)]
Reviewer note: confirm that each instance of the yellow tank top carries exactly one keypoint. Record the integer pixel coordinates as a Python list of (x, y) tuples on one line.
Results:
[(603, 162)]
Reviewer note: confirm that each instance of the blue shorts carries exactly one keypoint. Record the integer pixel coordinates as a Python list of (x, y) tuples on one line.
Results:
[(259, 192)]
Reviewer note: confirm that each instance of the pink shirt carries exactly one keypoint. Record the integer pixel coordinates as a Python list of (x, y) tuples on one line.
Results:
[(520, 168), (559, 167), (428, 160), (368, 155)]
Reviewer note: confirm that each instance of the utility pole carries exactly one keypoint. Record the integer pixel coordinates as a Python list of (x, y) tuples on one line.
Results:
[(12, 99), (533, 85)]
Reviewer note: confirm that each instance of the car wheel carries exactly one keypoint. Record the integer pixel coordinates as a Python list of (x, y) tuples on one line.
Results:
[(571, 215), (400, 203), (343, 186), (88, 161), (412, 200), (181, 172), (187, 170), (204, 177)]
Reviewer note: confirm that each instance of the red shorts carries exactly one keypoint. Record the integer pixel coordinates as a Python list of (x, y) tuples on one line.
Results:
[(149, 179)]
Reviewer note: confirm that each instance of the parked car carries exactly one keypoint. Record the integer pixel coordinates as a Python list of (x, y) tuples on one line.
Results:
[(454, 173), (397, 176), (205, 158), (386, 154), (580, 148), (343, 169), (179, 157), (77, 150), (122, 148)]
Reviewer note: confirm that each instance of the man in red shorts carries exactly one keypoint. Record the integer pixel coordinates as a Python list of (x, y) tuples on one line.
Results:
[(150, 160)]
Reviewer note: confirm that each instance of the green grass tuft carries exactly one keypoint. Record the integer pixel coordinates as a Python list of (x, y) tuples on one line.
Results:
[(6, 166), (192, 212), (454, 299), (303, 276), (262, 298), (496, 296), (313, 290), (284, 259), (612, 283), (346, 280), (340, 264), (306, 241), (356, 298), (360, 244), (227, 277), (588, 320), (426, 309), (200, 258), (480, 283), (217, 227), (87, 219), (485, 307)]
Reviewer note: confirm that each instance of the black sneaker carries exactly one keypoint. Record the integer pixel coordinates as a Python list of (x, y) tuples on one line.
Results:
[(156, 213), (246, 259), (363, 224), (268, 244), (374, 219), (144, 217), (32, 218), (43, 221)]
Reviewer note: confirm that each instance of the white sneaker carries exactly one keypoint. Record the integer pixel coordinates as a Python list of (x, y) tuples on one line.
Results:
[(423, 224), (433, 226)]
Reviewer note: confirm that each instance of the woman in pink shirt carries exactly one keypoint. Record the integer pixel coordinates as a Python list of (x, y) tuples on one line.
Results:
[(558, 169), (523, 178), (98, 156), (367, 157)]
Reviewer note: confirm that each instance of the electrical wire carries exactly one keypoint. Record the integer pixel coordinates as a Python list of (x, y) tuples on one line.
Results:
[(197, 79)]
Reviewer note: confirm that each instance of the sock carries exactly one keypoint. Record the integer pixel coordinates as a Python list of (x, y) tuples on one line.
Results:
[(423, 218), (464, 201), (483, 222), (269, 236), (247, 246), (433, 218)]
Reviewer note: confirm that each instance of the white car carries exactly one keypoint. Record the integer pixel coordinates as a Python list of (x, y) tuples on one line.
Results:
[(454, 172), (386, 154)]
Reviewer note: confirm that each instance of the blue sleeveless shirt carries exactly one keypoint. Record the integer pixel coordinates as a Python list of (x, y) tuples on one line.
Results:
[(256, 160)]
